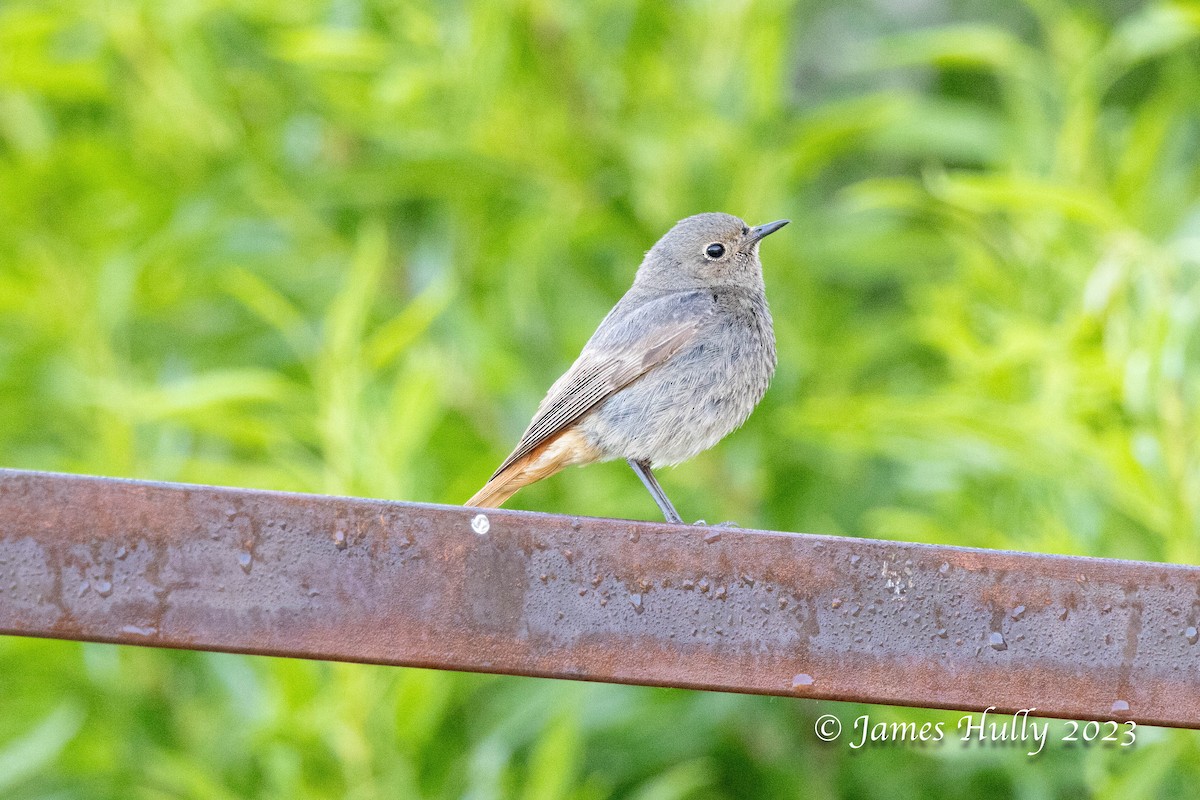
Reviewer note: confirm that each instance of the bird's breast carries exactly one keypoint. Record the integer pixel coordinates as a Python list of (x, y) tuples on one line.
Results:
[(689, 403)]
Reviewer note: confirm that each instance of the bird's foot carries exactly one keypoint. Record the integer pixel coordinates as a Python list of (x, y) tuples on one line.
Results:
[(704, 524)]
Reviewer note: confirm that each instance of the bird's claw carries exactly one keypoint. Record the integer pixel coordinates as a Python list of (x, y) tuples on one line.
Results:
[(726, 524)]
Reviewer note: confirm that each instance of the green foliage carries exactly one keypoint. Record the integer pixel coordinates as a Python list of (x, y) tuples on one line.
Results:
[(344, 247)]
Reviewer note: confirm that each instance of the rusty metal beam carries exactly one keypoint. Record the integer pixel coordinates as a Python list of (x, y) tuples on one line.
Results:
[(598, 599)]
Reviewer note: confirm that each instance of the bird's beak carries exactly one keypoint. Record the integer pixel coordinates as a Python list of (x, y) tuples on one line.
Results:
[(765, 230)]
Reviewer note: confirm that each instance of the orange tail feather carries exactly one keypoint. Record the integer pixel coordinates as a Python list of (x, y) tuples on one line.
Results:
[(555, 455), (495, 492)]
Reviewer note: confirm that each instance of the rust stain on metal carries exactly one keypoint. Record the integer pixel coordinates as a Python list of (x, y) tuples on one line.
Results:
[(597, 599)]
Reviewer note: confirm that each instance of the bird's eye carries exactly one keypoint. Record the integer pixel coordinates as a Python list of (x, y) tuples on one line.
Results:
[(715, 250)]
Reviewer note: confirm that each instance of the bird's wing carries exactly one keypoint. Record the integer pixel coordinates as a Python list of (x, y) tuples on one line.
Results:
[(623, 349)]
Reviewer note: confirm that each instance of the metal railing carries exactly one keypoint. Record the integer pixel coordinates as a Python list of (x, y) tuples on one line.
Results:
[(447, 587)]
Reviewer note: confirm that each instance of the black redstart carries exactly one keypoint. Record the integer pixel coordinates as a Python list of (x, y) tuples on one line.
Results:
[(679, 363)]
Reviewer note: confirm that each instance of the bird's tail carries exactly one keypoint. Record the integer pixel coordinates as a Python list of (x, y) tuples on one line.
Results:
[(495, 492), (564, 451)]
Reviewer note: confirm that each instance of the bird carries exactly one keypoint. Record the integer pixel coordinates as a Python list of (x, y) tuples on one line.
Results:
[(680, 362)]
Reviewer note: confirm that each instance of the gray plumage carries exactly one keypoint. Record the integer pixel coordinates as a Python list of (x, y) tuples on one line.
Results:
[(679, 363)]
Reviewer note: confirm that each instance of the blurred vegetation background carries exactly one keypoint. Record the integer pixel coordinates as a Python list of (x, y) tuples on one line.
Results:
[(345, 246)]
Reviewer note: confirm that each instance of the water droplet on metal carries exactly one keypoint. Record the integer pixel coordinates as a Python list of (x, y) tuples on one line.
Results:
[(102, 587), (138, 630), (1191, 634), (996, 640), (712, 536), (245, 561), (801, 680), (1018, 612), (1120, 707), (480, 524)]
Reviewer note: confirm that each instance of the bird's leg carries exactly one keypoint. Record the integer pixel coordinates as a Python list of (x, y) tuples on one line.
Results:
[(642, 468)]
